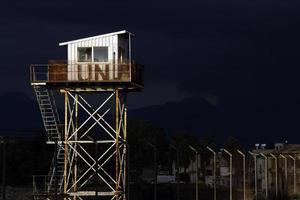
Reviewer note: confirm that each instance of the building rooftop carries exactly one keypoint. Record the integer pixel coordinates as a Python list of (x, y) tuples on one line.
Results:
[(96, 37)]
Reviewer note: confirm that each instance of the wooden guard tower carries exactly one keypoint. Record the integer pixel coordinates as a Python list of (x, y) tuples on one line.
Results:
[(90, 161)]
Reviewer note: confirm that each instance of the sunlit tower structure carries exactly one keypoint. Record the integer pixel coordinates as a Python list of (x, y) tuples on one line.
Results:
[(91, 141)]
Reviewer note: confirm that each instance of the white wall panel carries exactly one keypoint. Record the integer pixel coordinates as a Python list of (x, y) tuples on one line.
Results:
[(111, 41)]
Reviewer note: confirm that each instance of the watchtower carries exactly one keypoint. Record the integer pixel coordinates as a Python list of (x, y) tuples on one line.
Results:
[(91, 141)]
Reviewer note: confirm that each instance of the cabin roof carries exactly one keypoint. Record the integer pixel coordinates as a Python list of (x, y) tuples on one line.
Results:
[(95, 37)]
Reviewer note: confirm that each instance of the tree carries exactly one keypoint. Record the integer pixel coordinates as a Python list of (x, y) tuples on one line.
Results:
[(140, 134), (181, 140), (232, 145)]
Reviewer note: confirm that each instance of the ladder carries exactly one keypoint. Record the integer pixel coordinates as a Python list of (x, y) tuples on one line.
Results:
[(49, 112), (50, 118), (56, 172)]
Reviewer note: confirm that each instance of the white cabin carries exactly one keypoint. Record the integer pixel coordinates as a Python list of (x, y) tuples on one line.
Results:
[(103, 51), (97, 59)]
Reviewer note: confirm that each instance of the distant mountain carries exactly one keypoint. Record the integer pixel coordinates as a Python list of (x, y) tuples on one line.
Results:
[(188, 114), (258, 123), (193, 114)]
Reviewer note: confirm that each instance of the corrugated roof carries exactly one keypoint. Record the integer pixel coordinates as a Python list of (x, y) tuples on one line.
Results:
[(95, 37)]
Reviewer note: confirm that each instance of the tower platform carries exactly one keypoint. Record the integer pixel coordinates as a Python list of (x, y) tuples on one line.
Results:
[(89, 76)]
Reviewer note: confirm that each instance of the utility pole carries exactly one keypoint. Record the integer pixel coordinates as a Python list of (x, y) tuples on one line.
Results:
[(255, 172), (244, 173), (215, 177), (276, 176), (294, 161), (285, 172), (197, 180), (266, 173), (230, 172)]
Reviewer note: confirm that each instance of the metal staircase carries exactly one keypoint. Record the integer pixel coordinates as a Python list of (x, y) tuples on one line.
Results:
[(50, 118), (49, 112), (56, 170)]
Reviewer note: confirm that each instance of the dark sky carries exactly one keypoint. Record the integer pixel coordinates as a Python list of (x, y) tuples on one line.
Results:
[(240, 55)]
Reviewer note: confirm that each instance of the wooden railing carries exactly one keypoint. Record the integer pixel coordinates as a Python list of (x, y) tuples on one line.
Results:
[(87, 72)]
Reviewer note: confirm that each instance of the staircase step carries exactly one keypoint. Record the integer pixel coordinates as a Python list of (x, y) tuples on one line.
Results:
[(49, 117), (43, 95), (47, 111), (46, 104), (52, 131), (50, 121), (40, 96)]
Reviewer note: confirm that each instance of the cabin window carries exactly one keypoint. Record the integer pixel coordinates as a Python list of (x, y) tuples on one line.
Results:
[(84, 54), (100, 54)]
